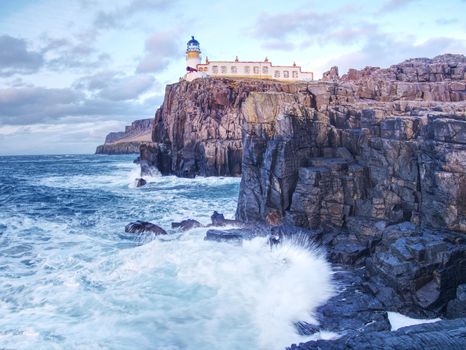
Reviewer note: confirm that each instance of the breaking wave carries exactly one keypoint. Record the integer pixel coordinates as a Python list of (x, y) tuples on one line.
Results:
[(68, 279)]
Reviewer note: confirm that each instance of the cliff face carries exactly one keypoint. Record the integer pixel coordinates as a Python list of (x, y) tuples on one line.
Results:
[(371, 165), (198, 129), (128, 141), (375, 164), (387, 144)]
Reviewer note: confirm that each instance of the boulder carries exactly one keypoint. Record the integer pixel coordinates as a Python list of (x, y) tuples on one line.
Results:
[(224, 235), (140, 182), (218, 219), (144, 227), (186, 225)]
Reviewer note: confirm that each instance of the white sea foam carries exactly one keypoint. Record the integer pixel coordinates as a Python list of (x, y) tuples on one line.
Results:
[(398, 320), (85, 287)]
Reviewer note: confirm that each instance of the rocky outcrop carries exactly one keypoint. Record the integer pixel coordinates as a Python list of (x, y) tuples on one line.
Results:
[(144, 227), (128, 141), (429, 336), (375, 164), (372, 165), (119, 148), (198, 128), (390, 150)]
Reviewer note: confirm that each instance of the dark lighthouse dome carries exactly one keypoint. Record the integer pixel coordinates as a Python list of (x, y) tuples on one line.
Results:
[(193, 45)]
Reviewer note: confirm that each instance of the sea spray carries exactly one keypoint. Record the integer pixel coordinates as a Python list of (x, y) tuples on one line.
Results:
[(69, 280)]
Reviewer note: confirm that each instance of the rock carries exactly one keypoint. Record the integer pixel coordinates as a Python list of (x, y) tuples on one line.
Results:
[(198, 128), (218, 219), (186, 225), (352, 310), (140, 182), (224, 235), (119, 148), (144, 227), (424, 268), (128, 141), (331, 75), (457, 307), (447, 334)]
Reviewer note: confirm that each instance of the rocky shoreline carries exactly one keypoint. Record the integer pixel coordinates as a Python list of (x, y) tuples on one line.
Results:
[(371, 166)]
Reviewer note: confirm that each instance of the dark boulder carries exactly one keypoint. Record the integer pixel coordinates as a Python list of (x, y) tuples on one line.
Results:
[(140, 182), (457, 307), (224, 235), (218, 219), (144, 227), (186, 225)]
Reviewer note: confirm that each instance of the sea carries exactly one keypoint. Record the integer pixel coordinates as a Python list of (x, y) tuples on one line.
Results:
[(71, 278)]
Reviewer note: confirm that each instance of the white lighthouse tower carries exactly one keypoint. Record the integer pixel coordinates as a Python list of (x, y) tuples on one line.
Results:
[(193, 58)]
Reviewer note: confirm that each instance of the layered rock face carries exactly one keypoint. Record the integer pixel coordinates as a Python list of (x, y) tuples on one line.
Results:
[(379, 145), (198, 128), (375, 164), (128, 141)]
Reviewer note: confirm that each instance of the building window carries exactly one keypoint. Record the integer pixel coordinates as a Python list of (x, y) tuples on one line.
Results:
[(234, 70), (265, 70), (276, 74), (295, 74), (215, 69), (256, 70), (224, 69), (286, 74), (247, 70)]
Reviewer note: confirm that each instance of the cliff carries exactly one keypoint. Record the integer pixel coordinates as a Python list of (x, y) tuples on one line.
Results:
[(128, 141), (371, 165), (198, 128), (374, 164), (387, 144)]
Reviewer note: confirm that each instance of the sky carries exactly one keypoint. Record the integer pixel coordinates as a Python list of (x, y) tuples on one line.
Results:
[(73, 70)]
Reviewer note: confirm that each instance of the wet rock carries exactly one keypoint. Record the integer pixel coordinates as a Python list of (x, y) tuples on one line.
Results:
[(140, 182), (224, 235), (186, 225), (144, 227), (457, 307), (218, 219), (424, 268), (446, 334), (353, 309)]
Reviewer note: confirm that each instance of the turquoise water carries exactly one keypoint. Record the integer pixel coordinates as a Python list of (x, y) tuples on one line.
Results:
[(70, 277)]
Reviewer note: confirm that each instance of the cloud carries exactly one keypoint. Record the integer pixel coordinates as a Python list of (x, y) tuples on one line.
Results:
[(114, 86), (16, 58), (33, 105), (282, 25), (160, 49), (118, 17), (287, 31), (393, 5), (446, 21), (72, 54)]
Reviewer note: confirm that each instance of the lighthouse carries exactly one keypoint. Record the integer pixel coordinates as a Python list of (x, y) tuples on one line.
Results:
[(193, 54), (193, 58)]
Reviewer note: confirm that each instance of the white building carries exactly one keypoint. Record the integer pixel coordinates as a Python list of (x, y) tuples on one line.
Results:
[(239, 69)]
